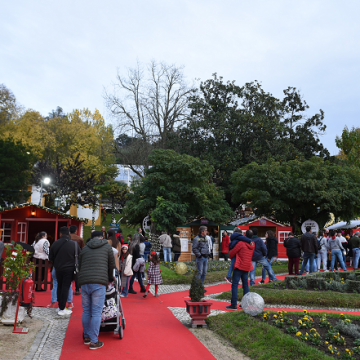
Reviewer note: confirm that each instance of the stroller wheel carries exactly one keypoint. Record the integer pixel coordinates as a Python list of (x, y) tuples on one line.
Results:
[(123, 323), (121, 330)]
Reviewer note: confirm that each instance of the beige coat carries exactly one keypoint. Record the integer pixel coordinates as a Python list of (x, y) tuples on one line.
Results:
[(128, 270)]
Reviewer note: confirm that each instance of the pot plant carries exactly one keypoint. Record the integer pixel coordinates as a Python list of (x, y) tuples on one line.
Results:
[(196, 307), (16, 267)]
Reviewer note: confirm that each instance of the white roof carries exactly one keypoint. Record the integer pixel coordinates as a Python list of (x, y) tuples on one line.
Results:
[(354, 224)]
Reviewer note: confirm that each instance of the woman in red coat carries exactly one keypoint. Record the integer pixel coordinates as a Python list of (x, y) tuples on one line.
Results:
[(225, 246)]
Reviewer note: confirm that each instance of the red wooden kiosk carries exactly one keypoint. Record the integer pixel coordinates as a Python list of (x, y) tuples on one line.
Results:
[(23, 222), (264, 224)]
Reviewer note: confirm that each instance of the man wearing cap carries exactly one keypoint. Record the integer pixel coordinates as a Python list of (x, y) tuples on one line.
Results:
[(355, 246), (62, 256), (96, 267)]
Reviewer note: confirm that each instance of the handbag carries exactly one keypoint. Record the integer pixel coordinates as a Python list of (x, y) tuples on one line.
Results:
[(76, 267)]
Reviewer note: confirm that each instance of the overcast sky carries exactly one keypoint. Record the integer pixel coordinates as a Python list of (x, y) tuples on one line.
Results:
[(63, 53)]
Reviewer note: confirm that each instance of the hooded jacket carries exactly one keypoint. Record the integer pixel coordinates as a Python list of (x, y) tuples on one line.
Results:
[(260, 249), (309, 243), (96, 263), (236, 237), (272, 247), (244, 253), (165, 240)]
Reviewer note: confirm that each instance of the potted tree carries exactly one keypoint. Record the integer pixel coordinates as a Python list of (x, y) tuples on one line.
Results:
[(16, 267), (196, 307)]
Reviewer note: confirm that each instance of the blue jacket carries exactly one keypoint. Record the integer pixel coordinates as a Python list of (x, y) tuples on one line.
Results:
[(236, 237), (148, 246), (260, 249)]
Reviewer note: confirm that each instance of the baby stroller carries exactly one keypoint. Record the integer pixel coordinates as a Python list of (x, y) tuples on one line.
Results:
[(112, 317)]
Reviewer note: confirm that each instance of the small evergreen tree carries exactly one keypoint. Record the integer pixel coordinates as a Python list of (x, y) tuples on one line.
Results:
[(155, 242), (197, 290)]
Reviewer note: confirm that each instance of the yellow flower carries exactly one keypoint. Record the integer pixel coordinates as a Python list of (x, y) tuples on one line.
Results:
[(305, 311), (299, 321), (275, 316), (298, 333), (347, 350), (326, 342), (307, 334)]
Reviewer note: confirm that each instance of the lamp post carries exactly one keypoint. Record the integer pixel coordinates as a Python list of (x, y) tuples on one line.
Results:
[(128, 170), (45, 181), (57, 202)]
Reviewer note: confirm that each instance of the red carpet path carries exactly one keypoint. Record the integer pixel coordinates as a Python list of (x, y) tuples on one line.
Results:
[(150, 327)]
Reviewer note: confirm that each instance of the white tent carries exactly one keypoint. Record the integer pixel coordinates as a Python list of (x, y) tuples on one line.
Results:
[(343, 225)]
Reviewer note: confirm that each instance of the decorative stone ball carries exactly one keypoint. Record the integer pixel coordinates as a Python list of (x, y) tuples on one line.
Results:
[(252, 303), (181, 268)]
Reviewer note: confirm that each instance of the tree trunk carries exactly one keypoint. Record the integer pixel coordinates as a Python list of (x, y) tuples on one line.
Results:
[(93, 220), (113, 211)]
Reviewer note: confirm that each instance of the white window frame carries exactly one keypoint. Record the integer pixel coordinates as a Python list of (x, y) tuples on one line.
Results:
[(22, 233), (285, 233), (3, 236)]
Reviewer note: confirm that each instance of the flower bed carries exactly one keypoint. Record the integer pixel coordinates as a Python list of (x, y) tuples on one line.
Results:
[(338, 337)]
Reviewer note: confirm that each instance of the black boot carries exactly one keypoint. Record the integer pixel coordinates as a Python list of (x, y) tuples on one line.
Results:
[(131, 291), (143, 289)]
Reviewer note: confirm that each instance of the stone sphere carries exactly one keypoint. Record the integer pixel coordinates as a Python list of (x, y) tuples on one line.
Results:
[(181, 268), (252, 303)]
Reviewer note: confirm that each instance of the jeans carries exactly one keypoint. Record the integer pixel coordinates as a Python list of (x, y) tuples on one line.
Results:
[(201, 264), (264, 262), (125, 289), (264, 270), (308, 257), (356, 255), (231, 267), (54, 297), (93, 298), (139, 277), (167, 254), (314, 265), (146, 257), (237, 275), (64, 279), (322, 257), (337, 254)]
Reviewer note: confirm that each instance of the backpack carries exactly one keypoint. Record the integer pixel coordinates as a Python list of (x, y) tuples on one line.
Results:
[(319, 241)]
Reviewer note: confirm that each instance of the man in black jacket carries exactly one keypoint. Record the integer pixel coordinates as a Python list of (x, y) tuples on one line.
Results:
[(293, 252), (62, 256), (309, 246), (96, 266)]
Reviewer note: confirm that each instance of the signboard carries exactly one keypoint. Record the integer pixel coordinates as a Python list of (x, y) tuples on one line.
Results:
[(262, 222), (314, 226), (204, 221), (185, 232), (113, 226), (146, 224), (184, 245)]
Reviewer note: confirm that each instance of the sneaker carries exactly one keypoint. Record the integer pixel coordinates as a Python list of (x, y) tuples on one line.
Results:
[(262, 282), (228, 280), (77, 292), (96, 346), (326, 270), (157, 295), (131, 291), (87, 341), (122, 295), (53, 305), (146, 294), (230, 307), (136, 279), (69, 305), (64, 312)]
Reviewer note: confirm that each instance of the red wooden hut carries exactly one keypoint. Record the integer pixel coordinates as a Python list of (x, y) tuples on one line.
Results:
[(264, 224), (23, 222)]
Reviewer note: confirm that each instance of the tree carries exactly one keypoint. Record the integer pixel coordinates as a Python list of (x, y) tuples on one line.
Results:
[(116, 192), (176, 188), (231, 126), (349, 144), (296, 190), (16, 164), (9, 108), (150, 104)]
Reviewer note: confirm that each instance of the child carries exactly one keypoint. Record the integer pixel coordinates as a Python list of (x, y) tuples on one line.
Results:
[(125, 269), (154, 274), (148, 246)]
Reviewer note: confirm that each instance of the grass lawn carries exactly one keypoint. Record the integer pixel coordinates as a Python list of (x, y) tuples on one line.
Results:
[(260, 340), (126, 229), (302, 297)]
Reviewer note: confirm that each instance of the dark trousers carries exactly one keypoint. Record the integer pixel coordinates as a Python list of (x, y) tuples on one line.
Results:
[(176, 256), (293, 261), (64, 279), (225, 256), (77, 289), (39, 262), (139, 277)]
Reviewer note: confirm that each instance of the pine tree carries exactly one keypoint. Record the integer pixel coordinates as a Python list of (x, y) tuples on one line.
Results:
[(197, 290)]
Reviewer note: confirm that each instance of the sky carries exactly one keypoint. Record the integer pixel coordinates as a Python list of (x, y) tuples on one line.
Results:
[(64, 53)]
